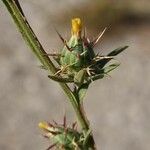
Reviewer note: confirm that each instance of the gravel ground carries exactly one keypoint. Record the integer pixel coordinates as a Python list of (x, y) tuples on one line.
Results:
[(118, 106)]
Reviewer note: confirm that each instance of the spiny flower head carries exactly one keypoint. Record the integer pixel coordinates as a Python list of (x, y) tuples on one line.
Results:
[(62, 136), (78, 63)]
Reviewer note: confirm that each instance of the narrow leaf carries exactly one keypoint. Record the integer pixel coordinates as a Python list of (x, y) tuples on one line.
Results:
[(60, 79), (115, 52), (110, 67), (98, 76), (82, 91)]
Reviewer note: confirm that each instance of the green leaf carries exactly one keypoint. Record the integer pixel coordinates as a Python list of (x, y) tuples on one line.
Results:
[(60, 79), (111, 67), (112, 53), (105, 71), (82, 91), (117, 51), (98, 76), (79, 77)]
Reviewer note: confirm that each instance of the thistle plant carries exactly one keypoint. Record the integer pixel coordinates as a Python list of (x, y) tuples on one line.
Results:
[(76, 67)]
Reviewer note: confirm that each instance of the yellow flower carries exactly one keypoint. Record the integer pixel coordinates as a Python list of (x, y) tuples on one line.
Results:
[(43, 125), (76, 26)]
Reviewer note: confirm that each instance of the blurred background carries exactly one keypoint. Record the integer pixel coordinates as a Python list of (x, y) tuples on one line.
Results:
[(118, 107)]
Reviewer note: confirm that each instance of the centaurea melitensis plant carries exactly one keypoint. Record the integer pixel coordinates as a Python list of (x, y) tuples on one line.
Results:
[(77, 66)]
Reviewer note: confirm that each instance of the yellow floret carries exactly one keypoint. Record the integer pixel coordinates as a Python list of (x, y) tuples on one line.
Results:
[(43, 125), (76, 26)]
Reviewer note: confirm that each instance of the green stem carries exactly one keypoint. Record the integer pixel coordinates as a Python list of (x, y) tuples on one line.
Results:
[(16, 12)]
